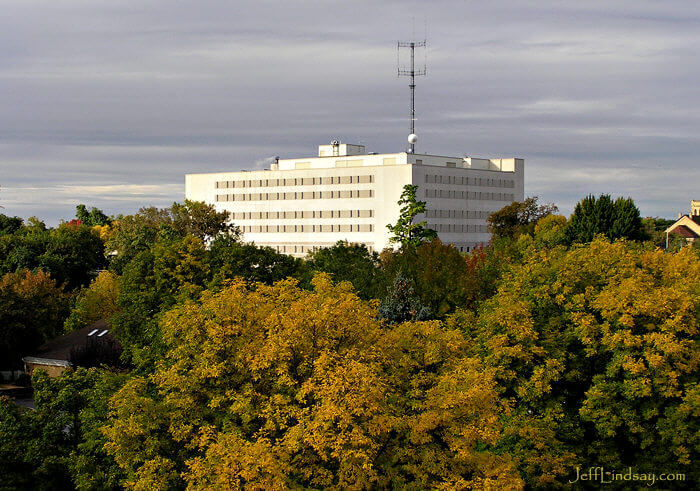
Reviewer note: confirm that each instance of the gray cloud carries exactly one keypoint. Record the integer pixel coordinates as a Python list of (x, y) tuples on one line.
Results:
[(110, 103)]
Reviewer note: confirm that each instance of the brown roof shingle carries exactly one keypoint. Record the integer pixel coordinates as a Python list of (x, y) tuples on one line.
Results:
[(684, 232)]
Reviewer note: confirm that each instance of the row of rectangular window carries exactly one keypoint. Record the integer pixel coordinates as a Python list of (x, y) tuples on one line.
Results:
[(469, 181), (295, 181), (354, 193), (457, 228), (470, 214), (478, 195), (268, 229), (303, 248), (285, 215), (465, 247)]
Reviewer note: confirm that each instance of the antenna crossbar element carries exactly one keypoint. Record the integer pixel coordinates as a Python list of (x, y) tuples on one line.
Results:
[(413, 73), (408, 44), (407, 73)]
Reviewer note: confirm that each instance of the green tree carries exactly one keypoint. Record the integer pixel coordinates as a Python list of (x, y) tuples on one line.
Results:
[(21, 250), (175, 269), (135, 324), (83, 396), (405, 231), (152, 282), (133, 234), (518, 217), (201, 220), (180, 267), (9, 225), (35, 225), (59, 445), (592, 216), (97, 302), (33, 311), (228, 258), (73, 255), (353, 263), (617, 219), (70, 253), (655, 229), (15, 441), (437, 272), (550, 232), (627, 223), (93, 217)]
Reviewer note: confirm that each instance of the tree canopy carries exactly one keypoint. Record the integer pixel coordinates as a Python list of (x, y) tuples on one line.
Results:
[(93, 217), (276, 387), (59, 445), (9, 225), (97, 302), (405, 231), (618, 219), (230, 258), (597, 348), (71, 253), (353, 263), (132, 234), (33, 311), (518, 217)]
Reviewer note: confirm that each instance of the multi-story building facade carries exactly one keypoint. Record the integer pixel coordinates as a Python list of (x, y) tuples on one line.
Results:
[(346, 194)]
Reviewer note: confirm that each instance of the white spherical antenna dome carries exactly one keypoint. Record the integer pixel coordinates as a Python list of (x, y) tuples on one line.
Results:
[(412, 138)]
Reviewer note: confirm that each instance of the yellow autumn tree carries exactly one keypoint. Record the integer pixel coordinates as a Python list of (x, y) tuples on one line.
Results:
[(96, 302), (275, 387), (596, 347), (104, 231)]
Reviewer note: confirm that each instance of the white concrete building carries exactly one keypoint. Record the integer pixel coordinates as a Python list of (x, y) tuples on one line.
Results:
[(347, 194)]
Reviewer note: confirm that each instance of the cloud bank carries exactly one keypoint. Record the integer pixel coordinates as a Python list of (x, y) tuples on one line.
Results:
[(110, 103)]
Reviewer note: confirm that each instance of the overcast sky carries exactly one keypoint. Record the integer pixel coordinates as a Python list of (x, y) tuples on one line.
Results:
[(109, 103)]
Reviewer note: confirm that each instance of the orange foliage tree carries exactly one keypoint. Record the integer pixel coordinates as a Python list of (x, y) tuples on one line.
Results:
[(276, 387), (32, 310)]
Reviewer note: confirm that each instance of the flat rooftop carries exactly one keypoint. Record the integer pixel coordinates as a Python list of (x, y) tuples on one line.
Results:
[(338, 154)]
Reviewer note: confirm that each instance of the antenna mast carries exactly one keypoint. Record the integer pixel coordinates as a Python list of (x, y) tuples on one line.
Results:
[(412, 73)]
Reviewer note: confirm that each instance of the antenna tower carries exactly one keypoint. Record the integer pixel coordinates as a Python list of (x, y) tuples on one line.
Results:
[(412, 73)]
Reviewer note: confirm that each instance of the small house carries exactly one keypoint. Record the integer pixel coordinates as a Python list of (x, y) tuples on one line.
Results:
[(91, 346)]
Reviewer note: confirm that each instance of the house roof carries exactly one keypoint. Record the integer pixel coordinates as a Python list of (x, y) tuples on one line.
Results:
[(684, 232), (689, 222), (59, 349)]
